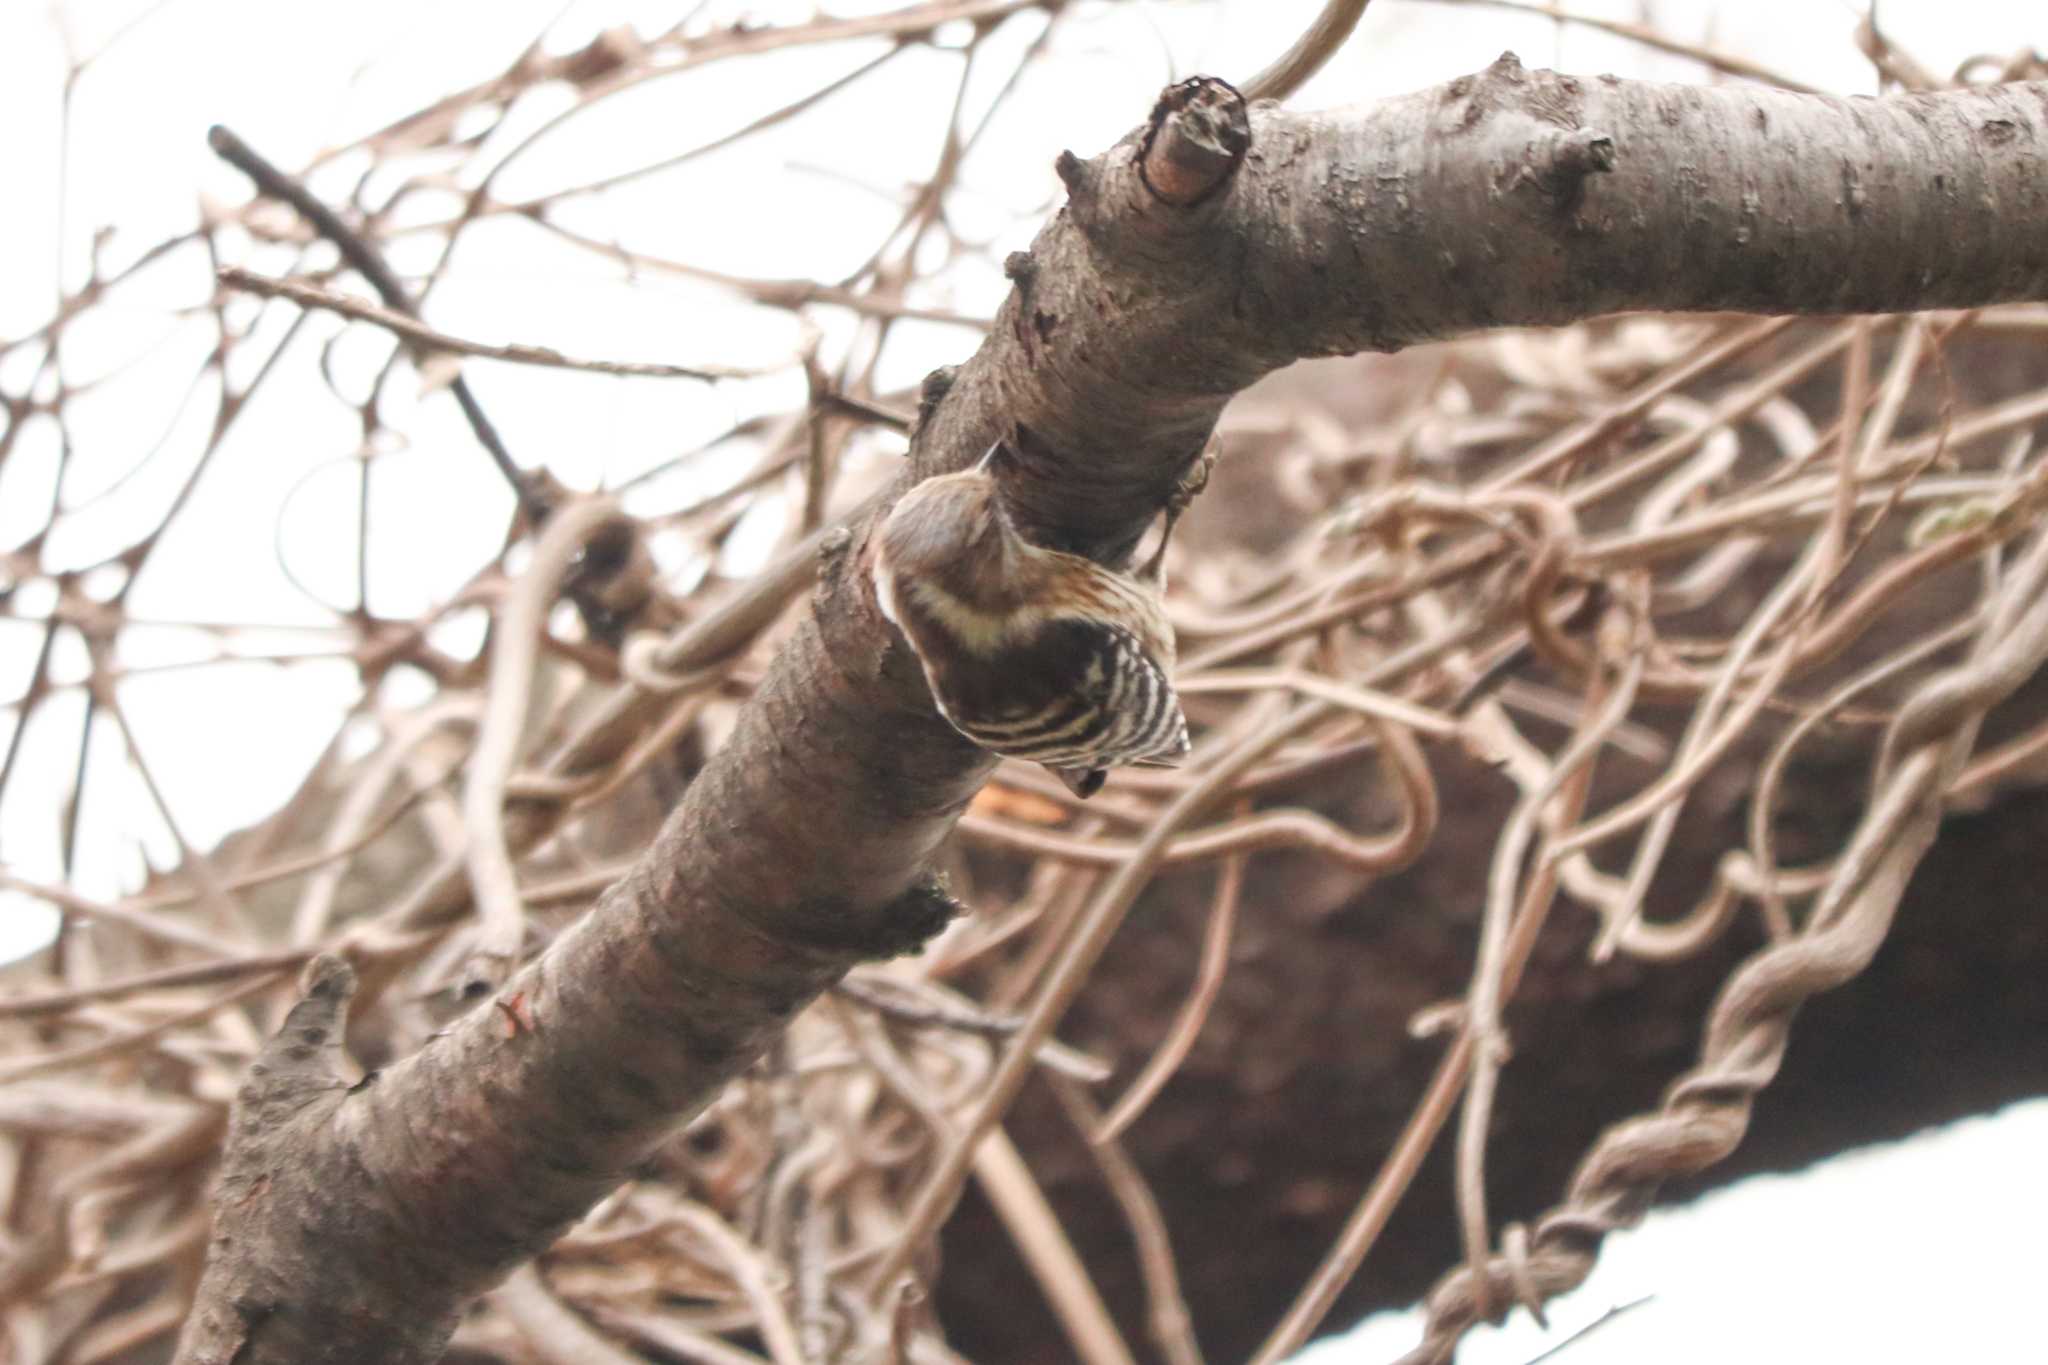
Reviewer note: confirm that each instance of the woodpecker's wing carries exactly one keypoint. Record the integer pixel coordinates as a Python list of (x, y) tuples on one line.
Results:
[(1073, 693)]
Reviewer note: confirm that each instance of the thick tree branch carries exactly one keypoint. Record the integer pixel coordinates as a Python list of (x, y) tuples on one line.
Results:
[(1210, 246), (1508, 198)]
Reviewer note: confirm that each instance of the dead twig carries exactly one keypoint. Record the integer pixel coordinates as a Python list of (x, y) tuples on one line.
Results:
[(427, 341)]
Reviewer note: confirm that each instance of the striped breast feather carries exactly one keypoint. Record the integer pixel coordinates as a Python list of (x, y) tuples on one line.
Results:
[(1072, 693)]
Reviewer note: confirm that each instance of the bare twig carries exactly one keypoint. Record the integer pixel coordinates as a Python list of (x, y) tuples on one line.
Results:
[(1194, 1012), (369, 263), (1310, 52), (427, 341), (502, 932)]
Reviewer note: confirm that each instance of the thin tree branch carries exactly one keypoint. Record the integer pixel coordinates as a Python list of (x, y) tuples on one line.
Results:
[(369, 263), (426, 340)]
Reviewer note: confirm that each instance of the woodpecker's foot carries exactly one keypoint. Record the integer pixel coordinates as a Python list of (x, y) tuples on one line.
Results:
[(1186, 491), (1194, 481)]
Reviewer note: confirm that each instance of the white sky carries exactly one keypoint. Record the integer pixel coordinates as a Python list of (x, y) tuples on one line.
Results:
[(1918, 1251), (1912, 1250)]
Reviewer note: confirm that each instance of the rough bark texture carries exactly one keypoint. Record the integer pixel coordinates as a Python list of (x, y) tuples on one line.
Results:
[(1487, 202), (420, 1188), (357, 1222)]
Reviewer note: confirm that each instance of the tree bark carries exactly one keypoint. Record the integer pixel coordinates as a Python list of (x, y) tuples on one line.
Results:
[(1209, 247)]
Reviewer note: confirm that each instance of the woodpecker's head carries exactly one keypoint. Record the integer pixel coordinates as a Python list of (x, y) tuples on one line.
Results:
[(952, 532)]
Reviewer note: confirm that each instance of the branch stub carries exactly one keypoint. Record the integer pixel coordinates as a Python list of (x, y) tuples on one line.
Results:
[(1196, 139)]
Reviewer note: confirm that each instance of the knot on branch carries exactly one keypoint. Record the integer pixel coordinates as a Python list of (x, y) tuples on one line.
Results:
[(1194, 141), (1564, 161), (935, 387), (303, 1059), (916, 917), (828, 936), (1077, 176), (897, 928), (291, 1075)]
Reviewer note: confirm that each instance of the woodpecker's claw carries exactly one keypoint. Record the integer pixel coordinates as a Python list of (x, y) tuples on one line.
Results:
[(1195, 480), (1185, 492)]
